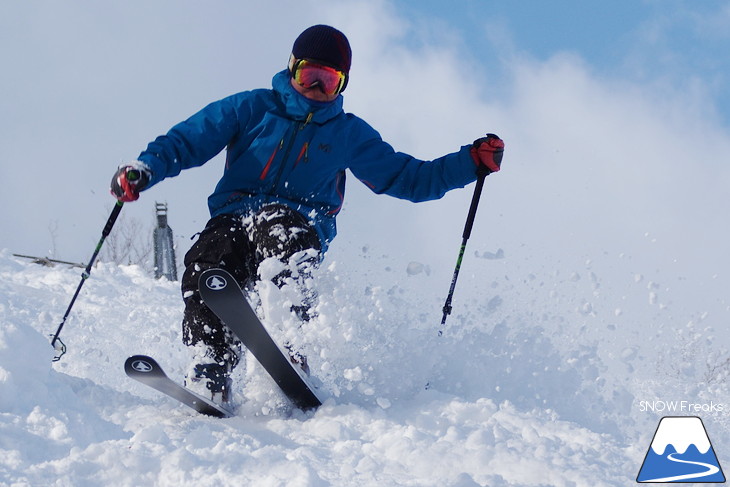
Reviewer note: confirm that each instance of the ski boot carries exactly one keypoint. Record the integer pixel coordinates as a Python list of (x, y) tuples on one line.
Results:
[(212, 380)]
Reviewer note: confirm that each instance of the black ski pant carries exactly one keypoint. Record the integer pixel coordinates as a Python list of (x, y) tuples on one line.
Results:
[(239, 244)]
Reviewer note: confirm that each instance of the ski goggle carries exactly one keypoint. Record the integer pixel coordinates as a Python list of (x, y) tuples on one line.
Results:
[(308, 73)]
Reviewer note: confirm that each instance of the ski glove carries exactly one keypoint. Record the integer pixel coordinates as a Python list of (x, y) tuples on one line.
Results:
[(487, 153), (129, 180)]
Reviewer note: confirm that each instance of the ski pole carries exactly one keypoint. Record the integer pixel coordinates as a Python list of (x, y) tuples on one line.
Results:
[(482, 173), (56, 342)]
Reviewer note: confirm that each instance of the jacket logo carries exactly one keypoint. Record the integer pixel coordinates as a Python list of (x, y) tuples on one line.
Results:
[(325, 148)]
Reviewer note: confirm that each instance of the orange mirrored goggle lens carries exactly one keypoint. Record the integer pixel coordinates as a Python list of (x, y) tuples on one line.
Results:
[(310, 74)]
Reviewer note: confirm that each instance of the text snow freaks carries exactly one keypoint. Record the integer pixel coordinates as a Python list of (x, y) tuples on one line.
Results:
[(680, 407)]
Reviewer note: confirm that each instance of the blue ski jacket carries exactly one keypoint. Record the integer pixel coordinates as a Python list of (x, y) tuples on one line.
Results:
[(285, 148)]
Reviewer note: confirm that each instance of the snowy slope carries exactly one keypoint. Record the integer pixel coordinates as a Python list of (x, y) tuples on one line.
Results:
[(535, 382)]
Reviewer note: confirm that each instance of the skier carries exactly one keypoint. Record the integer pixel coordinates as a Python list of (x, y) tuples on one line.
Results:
[(287, 150)]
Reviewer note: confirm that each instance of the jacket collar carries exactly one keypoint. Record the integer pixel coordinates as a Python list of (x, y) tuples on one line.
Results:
[(298, 106)]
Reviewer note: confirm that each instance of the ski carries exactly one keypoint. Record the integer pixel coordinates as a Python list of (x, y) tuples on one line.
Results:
[(146, 370), (222, 294)]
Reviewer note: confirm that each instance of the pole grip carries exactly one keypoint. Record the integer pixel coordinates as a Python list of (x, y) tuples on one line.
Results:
[(482, 173), (112, 218)]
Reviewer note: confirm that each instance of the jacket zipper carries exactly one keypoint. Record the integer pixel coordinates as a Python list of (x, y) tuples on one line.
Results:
[(298, 127)]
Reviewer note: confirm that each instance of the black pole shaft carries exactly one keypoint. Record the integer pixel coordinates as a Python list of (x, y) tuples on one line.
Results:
[(481, 176), (87, 272)]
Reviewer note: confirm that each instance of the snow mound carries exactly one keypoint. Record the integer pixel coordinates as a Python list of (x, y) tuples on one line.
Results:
[(506, 397)]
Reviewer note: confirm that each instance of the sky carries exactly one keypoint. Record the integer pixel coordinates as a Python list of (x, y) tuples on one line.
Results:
[(615, 117)]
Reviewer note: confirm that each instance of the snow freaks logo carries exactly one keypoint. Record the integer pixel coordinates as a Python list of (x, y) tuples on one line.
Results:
[(682, 407), (680, 452)]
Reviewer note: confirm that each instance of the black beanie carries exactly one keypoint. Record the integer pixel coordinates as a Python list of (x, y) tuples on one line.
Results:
[(325, 44)]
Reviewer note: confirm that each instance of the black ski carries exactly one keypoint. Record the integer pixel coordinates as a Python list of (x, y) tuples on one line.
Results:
[(147, 371), (222, 294)]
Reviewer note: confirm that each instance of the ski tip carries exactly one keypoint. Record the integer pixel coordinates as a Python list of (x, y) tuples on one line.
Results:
[(142, 364), (216, 280)]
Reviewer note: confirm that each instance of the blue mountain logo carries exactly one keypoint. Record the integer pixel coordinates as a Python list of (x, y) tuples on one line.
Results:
[(681, 452)]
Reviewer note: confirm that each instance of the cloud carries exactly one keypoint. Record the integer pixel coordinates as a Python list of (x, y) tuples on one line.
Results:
[(592, 161), (85, 87), (595, 164)]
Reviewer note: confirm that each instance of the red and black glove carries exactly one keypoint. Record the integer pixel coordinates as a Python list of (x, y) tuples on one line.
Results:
[(487, 153), (128, 181)]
